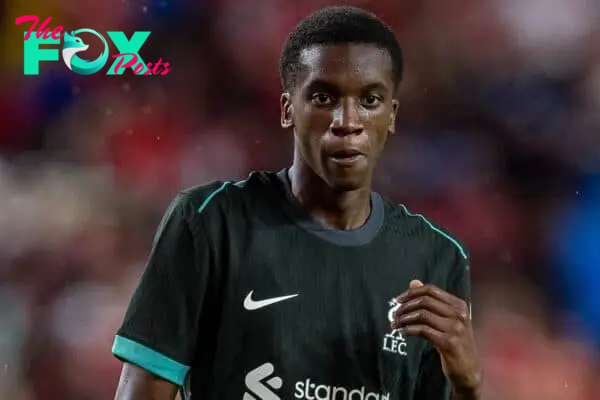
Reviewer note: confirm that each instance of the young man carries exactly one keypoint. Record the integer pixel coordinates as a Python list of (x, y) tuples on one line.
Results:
[(305, 283)]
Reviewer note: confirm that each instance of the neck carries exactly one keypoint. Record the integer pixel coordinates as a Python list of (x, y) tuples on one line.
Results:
[(338, 209)]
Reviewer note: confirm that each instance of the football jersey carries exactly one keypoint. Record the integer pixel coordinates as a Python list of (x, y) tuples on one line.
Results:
[(246, 296)]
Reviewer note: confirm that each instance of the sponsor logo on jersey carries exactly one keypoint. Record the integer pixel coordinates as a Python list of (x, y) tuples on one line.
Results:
[(394, 342), (250, 304), (307, 389), (262, 384)]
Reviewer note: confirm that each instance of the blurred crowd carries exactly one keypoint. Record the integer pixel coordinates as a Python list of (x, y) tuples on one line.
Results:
[(498, 140)]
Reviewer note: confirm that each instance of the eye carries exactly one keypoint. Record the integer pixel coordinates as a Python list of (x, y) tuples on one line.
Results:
[(371, 101), (322, 99)]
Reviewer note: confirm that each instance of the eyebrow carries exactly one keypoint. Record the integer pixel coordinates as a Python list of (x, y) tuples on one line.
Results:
[(321, 84), (375, 86)]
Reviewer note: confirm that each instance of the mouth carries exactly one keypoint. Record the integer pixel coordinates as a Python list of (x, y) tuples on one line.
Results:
[(347, 157), (346, 153)]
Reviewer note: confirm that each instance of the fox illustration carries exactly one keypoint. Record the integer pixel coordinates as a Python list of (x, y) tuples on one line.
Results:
[(73, 45)]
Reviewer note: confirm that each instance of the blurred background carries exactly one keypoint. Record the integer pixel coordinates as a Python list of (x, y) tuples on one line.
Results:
[(498, 140)]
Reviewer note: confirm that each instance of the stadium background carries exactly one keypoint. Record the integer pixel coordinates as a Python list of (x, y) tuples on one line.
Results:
[(498, 141)]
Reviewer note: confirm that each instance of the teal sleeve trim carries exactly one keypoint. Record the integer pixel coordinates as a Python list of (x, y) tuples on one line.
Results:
[(212, 196), (150, 360), (439, 231), (217, 191)]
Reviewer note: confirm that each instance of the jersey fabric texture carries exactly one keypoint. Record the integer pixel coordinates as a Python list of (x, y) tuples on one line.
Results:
[(245, 296)]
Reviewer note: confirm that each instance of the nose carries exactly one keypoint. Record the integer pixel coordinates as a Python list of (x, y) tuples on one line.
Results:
[(346, 119)]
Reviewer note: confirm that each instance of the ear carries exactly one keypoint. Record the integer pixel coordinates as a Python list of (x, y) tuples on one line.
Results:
[(393, 114), (287, 111)]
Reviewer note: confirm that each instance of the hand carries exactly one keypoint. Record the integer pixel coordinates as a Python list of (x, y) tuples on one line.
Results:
[(443, 319)]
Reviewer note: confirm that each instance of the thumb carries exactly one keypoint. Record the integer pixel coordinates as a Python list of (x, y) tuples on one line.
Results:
[(415, 283)]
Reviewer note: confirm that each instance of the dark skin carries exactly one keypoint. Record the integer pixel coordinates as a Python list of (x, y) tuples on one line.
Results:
[(342, 102), (137, 384), (344, 97), (427, 311), (342, 110)]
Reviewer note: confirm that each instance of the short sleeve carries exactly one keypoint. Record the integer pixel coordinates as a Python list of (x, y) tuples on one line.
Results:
[(160, 328), (431, 381), (459, 279)]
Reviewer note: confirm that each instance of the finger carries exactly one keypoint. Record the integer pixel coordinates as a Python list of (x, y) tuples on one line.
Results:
[(425, 331), (424, 317), (433, 291), (415, 283), (430, 304), (430, 290)]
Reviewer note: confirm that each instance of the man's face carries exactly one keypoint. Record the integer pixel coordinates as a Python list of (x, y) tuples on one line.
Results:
[(342, 110)]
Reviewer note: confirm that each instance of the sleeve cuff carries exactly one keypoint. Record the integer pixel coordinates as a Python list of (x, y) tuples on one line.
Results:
[(150, 360)]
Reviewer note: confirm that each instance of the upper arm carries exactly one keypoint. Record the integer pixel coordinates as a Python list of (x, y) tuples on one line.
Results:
[(139, 384), (459, 278), (159, 332)]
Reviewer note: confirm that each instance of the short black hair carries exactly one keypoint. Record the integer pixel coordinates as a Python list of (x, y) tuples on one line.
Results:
[(336, 25)]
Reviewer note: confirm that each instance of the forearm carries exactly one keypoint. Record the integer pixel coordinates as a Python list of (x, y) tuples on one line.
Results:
[(476, 395), (467, 396)]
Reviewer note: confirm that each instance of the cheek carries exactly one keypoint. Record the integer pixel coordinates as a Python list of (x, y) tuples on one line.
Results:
[(318, 120), (379, 125), (312, 126), (381, 139), (304, 132)]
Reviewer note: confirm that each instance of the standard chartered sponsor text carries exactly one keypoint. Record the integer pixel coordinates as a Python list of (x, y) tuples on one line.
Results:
[(309, 390)]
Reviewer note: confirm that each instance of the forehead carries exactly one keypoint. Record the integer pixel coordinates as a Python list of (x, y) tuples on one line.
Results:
[(345, 65)]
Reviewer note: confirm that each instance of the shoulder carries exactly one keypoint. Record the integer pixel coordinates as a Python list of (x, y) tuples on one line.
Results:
[(431, 236), (220, 198)]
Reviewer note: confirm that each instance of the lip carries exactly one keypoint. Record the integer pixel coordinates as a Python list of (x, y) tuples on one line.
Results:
[(346, 152), (347, 158)]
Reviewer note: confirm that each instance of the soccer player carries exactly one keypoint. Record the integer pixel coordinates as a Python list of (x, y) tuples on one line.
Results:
[(305, 283)]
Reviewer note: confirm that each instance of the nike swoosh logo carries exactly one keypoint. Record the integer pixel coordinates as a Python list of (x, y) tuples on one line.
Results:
[(251, 305)]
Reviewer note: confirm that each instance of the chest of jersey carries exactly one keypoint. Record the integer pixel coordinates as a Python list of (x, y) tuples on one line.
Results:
[(304, 318)]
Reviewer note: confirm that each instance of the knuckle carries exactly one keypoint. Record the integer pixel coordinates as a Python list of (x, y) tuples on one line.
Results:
[(463, 311), (458, 328)]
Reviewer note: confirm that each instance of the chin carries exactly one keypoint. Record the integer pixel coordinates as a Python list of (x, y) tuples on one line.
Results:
[(347, 183), (346, 186)]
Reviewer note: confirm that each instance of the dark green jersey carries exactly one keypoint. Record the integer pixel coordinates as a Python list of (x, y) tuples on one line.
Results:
[(246, 297)]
